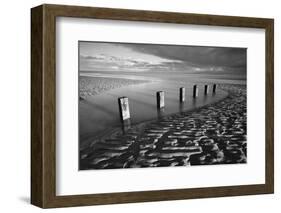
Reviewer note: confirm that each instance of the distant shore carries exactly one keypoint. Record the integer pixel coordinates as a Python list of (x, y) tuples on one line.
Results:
[(213, 134)]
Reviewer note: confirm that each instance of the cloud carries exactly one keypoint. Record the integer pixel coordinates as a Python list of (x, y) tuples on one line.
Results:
[(197, 55), (150, 57)]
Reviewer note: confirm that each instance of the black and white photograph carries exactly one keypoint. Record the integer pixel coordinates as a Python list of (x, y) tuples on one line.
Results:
[(161, 105)]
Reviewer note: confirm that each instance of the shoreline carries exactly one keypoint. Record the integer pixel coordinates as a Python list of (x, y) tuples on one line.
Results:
[(195, 137), (103, 135), (100, 113), (110, 132)]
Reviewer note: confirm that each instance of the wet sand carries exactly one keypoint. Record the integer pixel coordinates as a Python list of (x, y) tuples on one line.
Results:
[(90, 86), (212, 134), (99, 114)]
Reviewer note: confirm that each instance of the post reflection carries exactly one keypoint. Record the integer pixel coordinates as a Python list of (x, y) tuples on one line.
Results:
[(126, 125)]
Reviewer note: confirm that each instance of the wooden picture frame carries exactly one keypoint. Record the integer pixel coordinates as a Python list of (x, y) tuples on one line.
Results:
[(43, 105)]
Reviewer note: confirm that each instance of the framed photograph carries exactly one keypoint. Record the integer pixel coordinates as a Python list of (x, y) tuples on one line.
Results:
[(136, 106)]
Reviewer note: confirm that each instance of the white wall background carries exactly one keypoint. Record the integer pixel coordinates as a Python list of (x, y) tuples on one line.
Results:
[(15, 104)]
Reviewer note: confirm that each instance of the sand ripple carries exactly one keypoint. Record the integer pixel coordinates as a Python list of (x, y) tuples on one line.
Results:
[(89, 86), (214, 134)]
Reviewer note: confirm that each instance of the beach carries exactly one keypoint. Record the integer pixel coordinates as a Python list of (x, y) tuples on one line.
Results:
[(90, 86), (99, 110), (211, 132)]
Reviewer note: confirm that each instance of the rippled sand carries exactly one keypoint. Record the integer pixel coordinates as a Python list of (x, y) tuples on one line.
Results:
[(213, 134), (89, 86)]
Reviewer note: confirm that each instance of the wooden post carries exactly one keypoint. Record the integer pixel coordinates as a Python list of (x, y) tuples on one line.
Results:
[(206, 89), (182, 94), (214, 88), (124, 108), (160, 99), (195, 91)]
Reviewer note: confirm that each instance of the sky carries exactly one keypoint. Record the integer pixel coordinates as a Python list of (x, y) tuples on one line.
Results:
[(120, 57)]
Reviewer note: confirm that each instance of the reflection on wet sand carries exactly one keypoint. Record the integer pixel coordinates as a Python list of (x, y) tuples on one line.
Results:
[(99, 114)]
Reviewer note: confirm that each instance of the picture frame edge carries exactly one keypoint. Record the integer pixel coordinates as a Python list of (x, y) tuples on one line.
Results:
[(36, 106), (43, 174)]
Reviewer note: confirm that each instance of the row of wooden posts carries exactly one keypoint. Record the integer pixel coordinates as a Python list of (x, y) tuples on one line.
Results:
[(123, 102)]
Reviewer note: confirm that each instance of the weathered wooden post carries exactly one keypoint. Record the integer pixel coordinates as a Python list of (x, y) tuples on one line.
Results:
[(182, 94), (214, 88), (195, 91), (160, 99), (206, 89), (124, 108)]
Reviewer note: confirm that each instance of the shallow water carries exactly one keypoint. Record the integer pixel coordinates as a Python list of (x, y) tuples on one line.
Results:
[(214, 134), (100, 113)]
